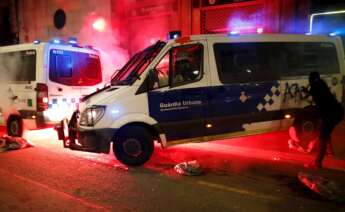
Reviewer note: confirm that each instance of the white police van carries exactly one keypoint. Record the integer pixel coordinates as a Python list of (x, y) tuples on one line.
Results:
[(42, 82), (206, 87)]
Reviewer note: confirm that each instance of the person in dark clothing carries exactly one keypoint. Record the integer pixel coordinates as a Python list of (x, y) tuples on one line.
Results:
[(331, 113)]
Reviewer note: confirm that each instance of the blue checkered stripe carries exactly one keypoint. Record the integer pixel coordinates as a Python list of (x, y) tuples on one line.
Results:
[(271, 100), (70, 102)]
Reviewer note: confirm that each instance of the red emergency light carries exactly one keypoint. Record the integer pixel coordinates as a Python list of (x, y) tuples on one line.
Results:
[(99, 24)]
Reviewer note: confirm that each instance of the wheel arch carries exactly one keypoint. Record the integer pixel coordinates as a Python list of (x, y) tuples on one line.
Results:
[(137, 119), (154, 131)]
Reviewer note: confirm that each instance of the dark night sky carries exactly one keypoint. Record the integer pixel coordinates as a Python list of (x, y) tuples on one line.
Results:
[(326, 5)]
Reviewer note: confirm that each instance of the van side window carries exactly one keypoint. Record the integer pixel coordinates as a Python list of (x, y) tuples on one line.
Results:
[(18, 65), (303, 58), (246, 62), (162, 72), (267, 61), (186, 64)]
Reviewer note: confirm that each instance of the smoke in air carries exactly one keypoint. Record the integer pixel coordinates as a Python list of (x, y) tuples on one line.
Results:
[(96, 31)]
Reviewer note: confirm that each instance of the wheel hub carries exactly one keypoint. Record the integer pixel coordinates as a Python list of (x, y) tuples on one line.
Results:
[(132, 147), (14, 127), (308, 127)]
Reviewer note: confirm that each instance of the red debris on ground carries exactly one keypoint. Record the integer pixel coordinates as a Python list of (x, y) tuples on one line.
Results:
[(327, 189)]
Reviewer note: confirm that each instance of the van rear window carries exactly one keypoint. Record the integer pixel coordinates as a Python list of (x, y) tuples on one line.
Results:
[(255, 62), (74, 68), (18, 66)]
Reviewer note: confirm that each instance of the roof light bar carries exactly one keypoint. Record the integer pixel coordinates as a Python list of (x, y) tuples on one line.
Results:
[(56, 41), (232, 33), (72, 40)]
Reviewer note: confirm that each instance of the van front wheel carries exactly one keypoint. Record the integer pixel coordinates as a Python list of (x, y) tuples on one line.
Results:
[(14, 126), (133, 146)]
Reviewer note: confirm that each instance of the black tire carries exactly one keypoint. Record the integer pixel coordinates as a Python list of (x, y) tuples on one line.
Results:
[(133, 146), (15, 126)]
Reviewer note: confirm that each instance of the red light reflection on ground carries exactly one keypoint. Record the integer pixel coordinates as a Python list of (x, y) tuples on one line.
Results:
[(235, 154), (241, 153), (48, 134)]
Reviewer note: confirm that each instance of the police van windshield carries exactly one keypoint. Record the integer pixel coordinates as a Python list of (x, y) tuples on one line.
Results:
[(18, 66), (74, 68), (136, 65)]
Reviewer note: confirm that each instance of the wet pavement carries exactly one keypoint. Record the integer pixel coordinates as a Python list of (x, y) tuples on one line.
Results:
[(255, 173)]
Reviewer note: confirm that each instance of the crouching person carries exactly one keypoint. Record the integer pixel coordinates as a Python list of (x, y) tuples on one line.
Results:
[(331, 113)]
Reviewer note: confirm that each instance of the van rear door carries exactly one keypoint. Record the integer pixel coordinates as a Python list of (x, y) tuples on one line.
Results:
[(72, 74)]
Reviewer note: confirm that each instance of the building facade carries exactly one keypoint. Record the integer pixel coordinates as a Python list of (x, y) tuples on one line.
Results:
[(122, 27)]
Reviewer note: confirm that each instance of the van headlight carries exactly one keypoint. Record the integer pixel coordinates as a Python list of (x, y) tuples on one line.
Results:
[(90, 116)]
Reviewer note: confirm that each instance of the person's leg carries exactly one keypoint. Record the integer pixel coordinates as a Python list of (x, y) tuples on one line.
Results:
[(326, 129), (322, 151), (330, 150)]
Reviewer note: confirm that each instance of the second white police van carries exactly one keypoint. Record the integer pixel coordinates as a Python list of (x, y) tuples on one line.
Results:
[(43, 82), (207, 87)]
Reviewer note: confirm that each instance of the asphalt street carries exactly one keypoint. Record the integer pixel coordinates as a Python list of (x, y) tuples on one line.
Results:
[(255, 173)]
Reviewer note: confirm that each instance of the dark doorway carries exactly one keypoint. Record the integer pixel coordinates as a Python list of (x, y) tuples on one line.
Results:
[(7, 37)]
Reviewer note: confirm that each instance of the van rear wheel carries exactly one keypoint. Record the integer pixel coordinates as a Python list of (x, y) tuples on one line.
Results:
[(15, 126), (133, 146), (306, 125)]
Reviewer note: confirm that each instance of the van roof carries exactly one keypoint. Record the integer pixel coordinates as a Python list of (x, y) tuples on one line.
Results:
[(24, 46), (265, 37)]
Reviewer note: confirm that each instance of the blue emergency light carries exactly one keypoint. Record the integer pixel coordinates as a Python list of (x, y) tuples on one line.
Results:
[(56, 41), (37, 41), (174, 35), (234, 33), (72, 40)]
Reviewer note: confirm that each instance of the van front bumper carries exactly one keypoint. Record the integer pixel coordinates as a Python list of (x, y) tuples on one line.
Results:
[(89, 140)]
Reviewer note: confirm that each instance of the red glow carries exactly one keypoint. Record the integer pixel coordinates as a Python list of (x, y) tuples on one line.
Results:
[(48, 133), (260, 30), (153, 40), (99, 24)]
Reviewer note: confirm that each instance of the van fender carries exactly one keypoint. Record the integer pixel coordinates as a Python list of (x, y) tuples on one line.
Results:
[(139, 118), (132, 118)]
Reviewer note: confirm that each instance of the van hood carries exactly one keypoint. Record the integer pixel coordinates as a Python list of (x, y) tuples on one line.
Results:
[(104, 95)]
